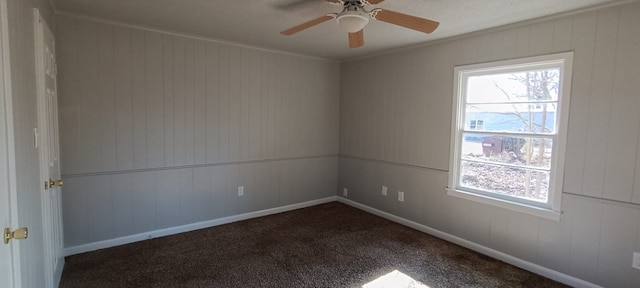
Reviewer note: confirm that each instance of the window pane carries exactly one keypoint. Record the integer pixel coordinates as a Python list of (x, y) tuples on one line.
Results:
[(520, 151), (506, 181), (512, 117), (534, 85)]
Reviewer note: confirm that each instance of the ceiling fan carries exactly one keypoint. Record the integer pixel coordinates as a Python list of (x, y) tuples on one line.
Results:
[(354, 17)]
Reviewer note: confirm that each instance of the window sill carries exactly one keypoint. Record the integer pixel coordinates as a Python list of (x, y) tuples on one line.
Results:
[(510, 205)]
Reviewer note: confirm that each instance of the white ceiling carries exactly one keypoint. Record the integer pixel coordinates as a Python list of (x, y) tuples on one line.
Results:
[(258, 22)]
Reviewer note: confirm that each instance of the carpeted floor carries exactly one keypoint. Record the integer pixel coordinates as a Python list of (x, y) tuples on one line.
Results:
[(329, 245)]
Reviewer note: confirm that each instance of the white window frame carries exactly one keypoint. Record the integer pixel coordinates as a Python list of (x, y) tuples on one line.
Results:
[(562, 61)]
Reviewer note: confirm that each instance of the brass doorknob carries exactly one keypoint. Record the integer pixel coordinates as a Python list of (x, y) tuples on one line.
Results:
[(53, 183), (20, 233)]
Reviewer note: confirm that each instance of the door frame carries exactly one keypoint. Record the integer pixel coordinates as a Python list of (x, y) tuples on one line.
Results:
[(8, 148)]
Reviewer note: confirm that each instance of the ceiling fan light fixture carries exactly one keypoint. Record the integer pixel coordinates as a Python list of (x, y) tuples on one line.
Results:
[(352, 21)]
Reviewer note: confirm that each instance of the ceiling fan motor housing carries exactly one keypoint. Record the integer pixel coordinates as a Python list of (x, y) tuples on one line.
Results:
[(352, 21), (353, 18)]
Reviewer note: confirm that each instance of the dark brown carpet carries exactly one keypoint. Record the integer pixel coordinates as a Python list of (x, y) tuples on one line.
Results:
[(329, 245)]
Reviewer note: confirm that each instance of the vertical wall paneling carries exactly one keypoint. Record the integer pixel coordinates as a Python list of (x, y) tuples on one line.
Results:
[(235, 81), (628, 87), (189, 102), (555, 237), (267, 178), (154, 98), (244, 83), (409, 147), (105, 92), (99, 204), (584, 242), (179, 106), (265, 96), (139, 100), (562, 34), (286, 105), (160, 130), (68, 85), (188, 198), (269, 104), (213, 104), (255, 103), (89, 101), (441, 118), (622, 134), (218, 190), (224, 118), (123, 204), (600, 102), (199, 103), (169, 198), (541, 38), (423, 123), (76, 226), (144, 202), (617, 243), (123, 98), (167, 82), (583, 36), (201, 191)]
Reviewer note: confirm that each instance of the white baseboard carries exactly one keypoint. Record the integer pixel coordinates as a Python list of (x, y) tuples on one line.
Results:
[(526, 265), (189, 227)]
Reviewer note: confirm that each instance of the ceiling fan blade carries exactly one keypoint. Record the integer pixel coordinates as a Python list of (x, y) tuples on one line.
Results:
[(404, 20), (356, 39), (293, 5), (308, 24)]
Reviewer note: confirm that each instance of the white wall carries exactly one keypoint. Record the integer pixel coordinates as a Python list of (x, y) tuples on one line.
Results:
[(395, 131), (158, 130), (23, 94)]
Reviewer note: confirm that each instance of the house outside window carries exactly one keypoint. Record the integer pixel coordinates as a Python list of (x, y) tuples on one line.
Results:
[(476, 125), (514, 157)]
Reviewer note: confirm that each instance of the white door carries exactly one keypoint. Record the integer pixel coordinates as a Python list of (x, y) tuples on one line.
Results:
[(46, 72), (8, 266), (6, 259)]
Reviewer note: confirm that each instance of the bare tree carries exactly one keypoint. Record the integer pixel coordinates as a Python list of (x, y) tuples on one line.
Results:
[(540, 87)]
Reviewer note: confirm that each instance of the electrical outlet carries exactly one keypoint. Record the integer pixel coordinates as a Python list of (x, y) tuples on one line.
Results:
[(636, 261), (345, 192), (384, 190), (240, 191), (400, 196)]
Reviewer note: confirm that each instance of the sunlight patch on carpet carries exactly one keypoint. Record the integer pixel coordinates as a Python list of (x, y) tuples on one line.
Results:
[(395, 279)]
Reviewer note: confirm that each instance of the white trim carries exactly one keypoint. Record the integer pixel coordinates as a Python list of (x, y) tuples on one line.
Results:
[(510, 205), (190, 227), (562, 61), (526, 265), (7, 94)]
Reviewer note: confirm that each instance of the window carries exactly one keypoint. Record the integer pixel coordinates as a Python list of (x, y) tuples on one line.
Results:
[(514, 156)]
